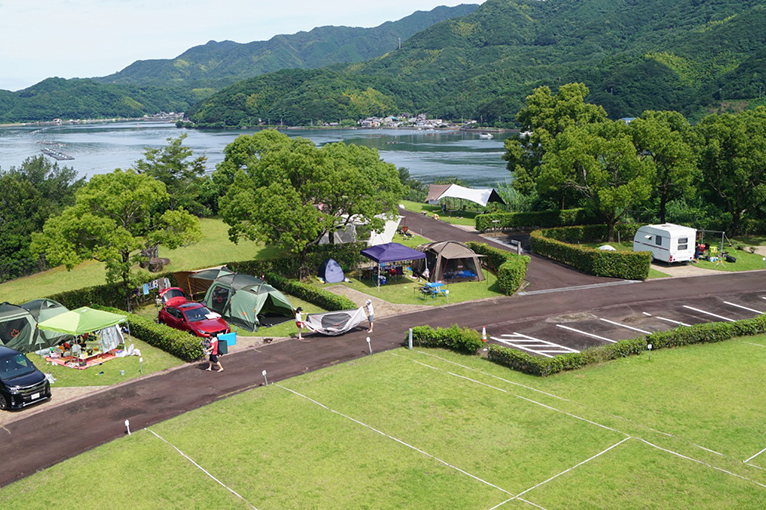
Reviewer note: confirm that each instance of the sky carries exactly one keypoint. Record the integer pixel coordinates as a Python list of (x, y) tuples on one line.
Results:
[(88, 38)]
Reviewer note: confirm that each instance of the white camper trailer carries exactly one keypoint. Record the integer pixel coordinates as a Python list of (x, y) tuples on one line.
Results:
[(667, 242)]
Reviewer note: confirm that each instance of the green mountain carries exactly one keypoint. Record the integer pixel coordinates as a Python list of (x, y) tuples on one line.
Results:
[(152, 86), (217, 64), (633, 55)]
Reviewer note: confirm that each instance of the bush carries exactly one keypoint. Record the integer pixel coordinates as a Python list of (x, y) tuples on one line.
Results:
[(555, 243), (532, 220), (511, 268), (178, 343), (463, 340)]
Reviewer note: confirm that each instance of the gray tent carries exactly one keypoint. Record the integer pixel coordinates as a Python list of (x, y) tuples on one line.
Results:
[(449, 261), (44, 309), (336, 323), (18, 329)]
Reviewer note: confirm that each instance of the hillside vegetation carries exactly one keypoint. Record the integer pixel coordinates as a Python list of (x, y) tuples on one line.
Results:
[(682, 55)]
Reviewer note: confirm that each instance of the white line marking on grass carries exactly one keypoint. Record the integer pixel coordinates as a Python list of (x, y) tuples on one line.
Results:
[(628, 327), (429, 366), (395, 439), (573, 467), (743, 307), (703, 463), (501, 504), (751, 343), (754, 466), (530, 503), (754, 456), (490, 375), (707, 449), (203, 469), (709, 313), (588, 334)]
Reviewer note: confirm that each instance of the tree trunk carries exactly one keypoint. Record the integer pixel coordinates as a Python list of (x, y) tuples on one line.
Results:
[(126, 282), (663, 206), (610, 230)]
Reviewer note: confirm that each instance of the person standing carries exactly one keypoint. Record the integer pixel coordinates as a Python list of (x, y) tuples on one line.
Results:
[(370, 313), (213, 351), (299, 322)]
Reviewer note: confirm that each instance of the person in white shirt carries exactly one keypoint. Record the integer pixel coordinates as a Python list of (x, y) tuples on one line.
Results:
[(370, 313)]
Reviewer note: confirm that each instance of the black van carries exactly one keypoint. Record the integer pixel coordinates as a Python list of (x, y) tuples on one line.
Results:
[(21, 383)]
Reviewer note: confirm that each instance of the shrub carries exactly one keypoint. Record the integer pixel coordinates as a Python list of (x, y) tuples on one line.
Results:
[(511, 268), (180, 344), (532, 220), (463, 340), (109, 294)]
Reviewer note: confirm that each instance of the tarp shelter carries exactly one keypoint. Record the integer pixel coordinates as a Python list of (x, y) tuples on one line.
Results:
[(247, 301), (349, 233), (331, 272), (481, 196), (197, 282), (391, 252), (335, 323), (449, 261), (17, 328), (42, 310), (82, 320)]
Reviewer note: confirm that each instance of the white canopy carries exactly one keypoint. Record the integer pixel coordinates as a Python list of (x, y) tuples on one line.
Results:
[(479, 195)]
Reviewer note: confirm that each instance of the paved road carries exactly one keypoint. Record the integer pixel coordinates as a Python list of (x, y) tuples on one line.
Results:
[(60, 432)]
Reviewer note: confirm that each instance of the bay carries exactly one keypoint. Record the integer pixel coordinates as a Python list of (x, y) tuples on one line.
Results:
[(101, 147)]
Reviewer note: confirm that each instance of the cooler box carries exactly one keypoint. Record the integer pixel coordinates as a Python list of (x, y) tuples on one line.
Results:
[(223, 347), (229, 338)]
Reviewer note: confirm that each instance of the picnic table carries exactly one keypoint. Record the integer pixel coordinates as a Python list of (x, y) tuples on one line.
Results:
[(434, 289)]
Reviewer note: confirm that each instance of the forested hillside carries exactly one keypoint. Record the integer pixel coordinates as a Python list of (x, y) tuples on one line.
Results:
[(217, 64), (634, 55)]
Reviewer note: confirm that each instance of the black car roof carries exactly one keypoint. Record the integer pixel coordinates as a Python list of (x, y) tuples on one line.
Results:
[(7, 351)]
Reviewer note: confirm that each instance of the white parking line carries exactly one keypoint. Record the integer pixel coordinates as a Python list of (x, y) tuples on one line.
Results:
[(588, 334), (531, 344), (709, 313), (672, 321), (628, 327), (743, 307)]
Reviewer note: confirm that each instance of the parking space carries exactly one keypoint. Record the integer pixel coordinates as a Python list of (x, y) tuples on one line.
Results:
[(573, 333)]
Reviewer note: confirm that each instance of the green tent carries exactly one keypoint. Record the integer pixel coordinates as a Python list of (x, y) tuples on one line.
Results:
[(247, 301), (80, 321), (17, 328), (41, 310)]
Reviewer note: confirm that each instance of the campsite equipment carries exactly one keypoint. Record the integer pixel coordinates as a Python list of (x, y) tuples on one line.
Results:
[(335, 323), (18, 328), (391, 252), (247, 301), (449, 261), (667, 242), (331, 272), (197, 282), (481, 196)]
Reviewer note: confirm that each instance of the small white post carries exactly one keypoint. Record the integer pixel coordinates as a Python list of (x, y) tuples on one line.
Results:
[(409, 343), (264, 378), (127, 426), (650, 351), (369, 344), (141, 364)]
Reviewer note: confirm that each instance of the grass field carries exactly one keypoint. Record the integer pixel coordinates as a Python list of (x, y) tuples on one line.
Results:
[(454, 217), (432, 429)]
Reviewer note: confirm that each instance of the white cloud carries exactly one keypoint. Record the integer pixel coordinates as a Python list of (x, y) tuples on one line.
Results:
[(85, 38)]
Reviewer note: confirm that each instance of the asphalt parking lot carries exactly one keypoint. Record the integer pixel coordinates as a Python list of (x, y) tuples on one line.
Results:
[(559, 334)]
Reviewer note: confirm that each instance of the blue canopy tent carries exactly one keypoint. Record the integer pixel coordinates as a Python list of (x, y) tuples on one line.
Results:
[(391, 252)]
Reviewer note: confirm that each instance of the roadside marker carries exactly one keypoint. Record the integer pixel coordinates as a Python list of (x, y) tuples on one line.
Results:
[(709, 313), (484, 334), (628, 327), (743, 307), (587, 334)]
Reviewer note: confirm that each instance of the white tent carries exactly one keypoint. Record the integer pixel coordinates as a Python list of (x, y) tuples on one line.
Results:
[(348, 234), (481, 196)]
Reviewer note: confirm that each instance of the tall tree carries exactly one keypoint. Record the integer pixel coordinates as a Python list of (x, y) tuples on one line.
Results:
[(114, 217), (733, 162), (667, 140), (545, 116), (598, 162), (289, 193)]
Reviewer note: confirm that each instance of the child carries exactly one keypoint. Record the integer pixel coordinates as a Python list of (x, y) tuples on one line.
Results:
[(299, 322)]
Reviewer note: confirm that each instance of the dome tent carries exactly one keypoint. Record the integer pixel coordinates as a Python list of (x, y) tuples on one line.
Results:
[(331, 272), (18, 328), (42, 310), (449, 261), (247, 301)]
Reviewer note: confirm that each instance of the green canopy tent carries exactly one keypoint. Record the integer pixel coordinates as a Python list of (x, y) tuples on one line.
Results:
[(87, 320), (247, 301), (42, 310), (17, 328)]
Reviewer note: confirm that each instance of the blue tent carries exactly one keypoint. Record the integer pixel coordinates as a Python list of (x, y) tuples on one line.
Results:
[(391, 252), (331, 272)]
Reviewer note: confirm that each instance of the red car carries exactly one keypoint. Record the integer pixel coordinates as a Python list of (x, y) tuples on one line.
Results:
[(194, 318), (173, 296)]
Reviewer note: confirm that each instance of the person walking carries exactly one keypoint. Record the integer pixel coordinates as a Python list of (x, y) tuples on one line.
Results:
[(299, 322), (370, 313), (213, 352)]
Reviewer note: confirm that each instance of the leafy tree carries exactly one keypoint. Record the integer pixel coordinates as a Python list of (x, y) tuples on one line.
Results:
[(289, 193), (598, 162), (733, 162), (184, 177), (542, 119), (666, 139), (114, 217)]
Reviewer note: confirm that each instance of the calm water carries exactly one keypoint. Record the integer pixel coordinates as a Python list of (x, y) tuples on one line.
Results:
[(100, 148)]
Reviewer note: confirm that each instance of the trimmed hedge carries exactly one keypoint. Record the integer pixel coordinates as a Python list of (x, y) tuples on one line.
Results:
[(532, 220), (178, 343), (511, 268), (310, 293), (109, 294), (463, 340), (555, 243)]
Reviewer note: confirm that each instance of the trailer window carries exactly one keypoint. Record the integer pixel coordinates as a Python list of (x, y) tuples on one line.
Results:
[(683, 243), (658, 240)]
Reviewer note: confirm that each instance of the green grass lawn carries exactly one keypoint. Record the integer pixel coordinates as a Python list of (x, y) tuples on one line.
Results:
[(433, 429), (214, 249), (108, 373), (454, 217)]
